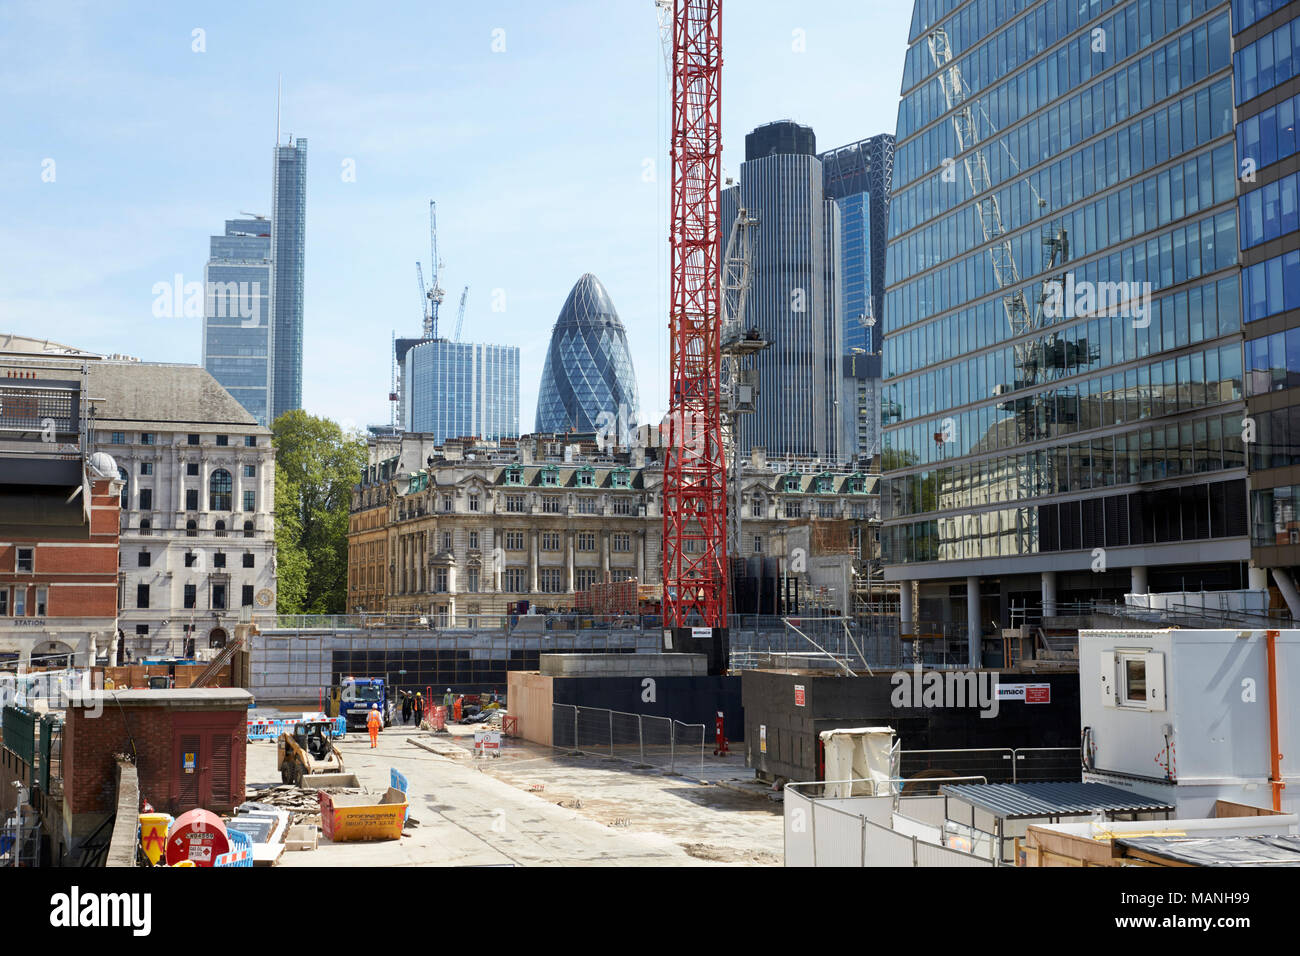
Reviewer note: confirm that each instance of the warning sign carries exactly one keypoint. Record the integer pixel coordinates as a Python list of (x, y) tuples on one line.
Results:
[(798, 695), (1026, 693), (188, 761)]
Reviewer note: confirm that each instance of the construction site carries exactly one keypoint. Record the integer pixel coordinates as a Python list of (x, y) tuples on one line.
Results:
[(776, 706)]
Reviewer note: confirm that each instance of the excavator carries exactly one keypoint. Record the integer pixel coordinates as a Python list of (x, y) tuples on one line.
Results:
[(308, 758)]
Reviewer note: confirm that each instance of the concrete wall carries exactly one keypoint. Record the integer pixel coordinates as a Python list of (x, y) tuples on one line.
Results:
[(692, 700), (529, 701), (781, 736), (624, 665)]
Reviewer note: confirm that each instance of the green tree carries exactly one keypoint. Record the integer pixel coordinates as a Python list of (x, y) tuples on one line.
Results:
[(316, 465)]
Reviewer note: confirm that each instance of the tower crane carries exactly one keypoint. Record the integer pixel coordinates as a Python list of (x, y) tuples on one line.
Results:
[(694, 566), (460, 313), (433, 295)]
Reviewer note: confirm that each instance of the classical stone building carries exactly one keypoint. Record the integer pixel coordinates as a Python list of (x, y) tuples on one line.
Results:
[(198, 530), (470, 528)]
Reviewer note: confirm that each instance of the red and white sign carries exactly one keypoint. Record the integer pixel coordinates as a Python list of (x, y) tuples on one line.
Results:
[(1026, 693), (798, 695), (487, 742)]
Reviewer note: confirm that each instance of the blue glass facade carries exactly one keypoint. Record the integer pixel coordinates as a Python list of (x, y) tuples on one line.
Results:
[(1266, 71), (794, 300), (288, 243), (461, 390), (1079, 151), (588, 382), (237, 340)]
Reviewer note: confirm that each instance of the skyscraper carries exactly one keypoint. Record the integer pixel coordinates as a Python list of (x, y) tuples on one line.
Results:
[(1267, 74), (288, 244), (588, 382), (461, 389), (794, 295), (857, 177), (237, 339), (1063, 312)]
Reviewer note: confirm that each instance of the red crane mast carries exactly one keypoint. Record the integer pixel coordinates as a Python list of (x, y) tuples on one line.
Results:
[(695, 480)]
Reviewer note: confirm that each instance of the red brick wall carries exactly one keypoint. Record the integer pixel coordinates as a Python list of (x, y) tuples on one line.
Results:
[(81, 575), (89, 744)]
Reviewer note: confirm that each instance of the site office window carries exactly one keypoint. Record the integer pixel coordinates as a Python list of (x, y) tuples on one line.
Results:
[(1133, 679)]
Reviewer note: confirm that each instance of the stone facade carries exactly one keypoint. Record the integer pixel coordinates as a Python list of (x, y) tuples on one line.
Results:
[(472, 528), (198, 529)]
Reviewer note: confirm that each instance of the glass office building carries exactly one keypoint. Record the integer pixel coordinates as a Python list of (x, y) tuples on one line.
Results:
[(461, 390), (858, 178), (588, 382), (288, 244), (1063, 345), (237, 340), (794, 299), (1266, 69)]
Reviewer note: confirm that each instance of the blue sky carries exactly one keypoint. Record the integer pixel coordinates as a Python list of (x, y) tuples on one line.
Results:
[(538, 156)]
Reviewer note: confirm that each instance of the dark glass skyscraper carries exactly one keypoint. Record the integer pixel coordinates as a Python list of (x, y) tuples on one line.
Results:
[(588, 382), (237, 339), (794, 296), (1063, 359), (288, 243)]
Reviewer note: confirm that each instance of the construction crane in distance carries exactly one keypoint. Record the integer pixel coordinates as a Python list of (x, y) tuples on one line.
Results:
[(460, 313), (432, 296)]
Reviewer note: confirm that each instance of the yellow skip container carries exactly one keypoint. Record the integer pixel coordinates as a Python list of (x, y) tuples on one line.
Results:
[(359, 816)]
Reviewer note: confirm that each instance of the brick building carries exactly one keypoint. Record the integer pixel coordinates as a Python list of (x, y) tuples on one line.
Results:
[(189, 748), (59, 513)]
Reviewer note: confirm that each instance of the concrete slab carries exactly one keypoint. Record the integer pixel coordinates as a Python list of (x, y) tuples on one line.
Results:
[(469, 818)]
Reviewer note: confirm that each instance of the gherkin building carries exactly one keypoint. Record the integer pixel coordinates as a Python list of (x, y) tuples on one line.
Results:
[(588, 384)]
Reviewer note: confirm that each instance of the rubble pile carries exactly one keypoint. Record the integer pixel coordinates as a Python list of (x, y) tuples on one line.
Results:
[(302, 803)]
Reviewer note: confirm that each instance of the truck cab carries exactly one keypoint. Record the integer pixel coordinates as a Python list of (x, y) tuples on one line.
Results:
[(356, 696)]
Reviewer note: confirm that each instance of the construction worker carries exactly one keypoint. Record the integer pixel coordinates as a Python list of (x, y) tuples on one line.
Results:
[(374, 723), (419, 708), (406, 707), (446, 701), (459, 707)]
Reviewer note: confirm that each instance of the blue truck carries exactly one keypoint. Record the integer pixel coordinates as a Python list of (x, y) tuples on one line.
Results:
[(354, 698)]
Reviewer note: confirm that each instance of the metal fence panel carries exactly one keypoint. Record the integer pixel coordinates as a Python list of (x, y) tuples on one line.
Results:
[(837, 837), (798, 811), (688, 748), (884, 847), (19, 725), (927, 854)]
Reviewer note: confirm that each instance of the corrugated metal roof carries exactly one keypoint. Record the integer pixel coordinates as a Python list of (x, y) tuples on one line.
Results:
[(1220, 851), (1011, 801)]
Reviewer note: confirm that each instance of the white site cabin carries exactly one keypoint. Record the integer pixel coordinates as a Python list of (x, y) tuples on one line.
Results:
[(1183, 715)]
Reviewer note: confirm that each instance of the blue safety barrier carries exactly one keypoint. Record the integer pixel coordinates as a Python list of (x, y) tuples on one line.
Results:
[(266, 728), (398, 781), (241, 850)]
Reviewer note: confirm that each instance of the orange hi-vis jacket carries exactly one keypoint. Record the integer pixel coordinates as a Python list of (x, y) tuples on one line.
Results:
[(374, 721)]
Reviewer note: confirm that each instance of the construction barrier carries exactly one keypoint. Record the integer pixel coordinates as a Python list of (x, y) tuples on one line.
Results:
[(398, 782), (265, 728), (241, 850)]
